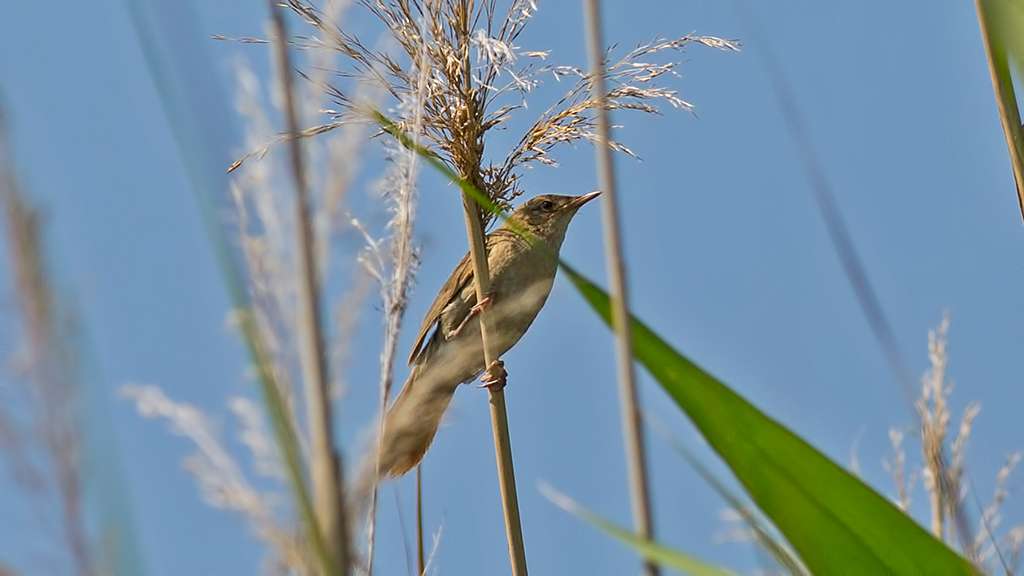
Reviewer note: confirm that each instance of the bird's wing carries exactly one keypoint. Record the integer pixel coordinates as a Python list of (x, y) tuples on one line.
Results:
[(456, 283)]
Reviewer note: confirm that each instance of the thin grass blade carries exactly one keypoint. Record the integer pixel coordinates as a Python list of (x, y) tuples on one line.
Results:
[(762, 533), (656, 553)]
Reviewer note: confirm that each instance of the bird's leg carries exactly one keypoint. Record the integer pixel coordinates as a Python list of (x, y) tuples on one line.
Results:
[(476, 309), (495, 376)]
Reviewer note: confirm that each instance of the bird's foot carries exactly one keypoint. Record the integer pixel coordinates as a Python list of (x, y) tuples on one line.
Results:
[(479, 306), (476, 309), (495, 376)]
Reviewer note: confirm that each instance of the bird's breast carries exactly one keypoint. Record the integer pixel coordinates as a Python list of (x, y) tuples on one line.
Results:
[(521, 280)]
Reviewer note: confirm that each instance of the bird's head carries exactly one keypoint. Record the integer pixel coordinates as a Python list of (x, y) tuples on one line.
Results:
[(548, 215)]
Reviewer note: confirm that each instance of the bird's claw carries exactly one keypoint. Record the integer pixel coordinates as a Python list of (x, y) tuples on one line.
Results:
[(476, 309), (479, 306), (495, 376)]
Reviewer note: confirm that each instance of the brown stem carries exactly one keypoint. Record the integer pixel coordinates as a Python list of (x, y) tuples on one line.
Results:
[(420, 556), (636, 457), (325, 465), (499, 418), (468, 164)]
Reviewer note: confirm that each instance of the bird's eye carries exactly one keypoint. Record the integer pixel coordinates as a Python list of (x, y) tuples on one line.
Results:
[(547, 205)]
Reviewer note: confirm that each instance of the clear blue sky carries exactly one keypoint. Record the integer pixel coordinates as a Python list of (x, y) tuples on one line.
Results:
[(728, 256)]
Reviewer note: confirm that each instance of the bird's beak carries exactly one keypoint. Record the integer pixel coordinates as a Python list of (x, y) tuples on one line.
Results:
[(578, 201)]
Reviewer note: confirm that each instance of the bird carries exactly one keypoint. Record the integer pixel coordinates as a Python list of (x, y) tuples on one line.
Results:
[(522, 259)]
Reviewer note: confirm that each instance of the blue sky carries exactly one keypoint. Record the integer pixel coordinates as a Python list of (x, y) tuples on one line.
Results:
[(728, 257)]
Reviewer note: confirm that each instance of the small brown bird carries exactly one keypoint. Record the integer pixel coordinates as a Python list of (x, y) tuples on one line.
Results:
[(521, 277)]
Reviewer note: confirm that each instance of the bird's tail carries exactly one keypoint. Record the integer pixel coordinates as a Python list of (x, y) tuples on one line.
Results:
[(410, 425), (409, 428)]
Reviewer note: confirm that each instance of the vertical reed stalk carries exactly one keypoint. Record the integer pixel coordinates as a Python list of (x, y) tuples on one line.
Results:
[(421, 564), (325, 466), (636, 458), (499, 418)]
